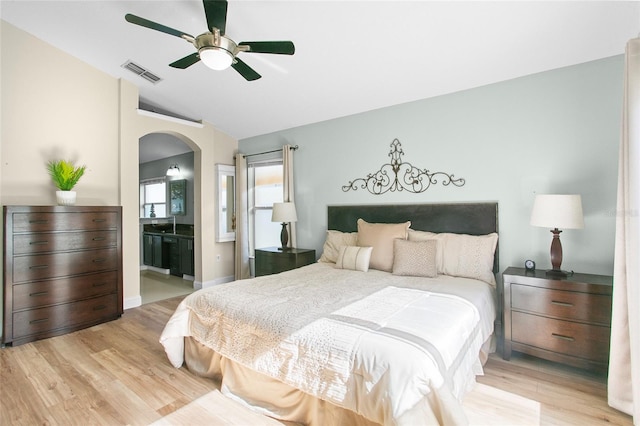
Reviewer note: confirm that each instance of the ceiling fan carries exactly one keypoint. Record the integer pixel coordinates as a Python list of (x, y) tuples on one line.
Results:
[(214, 48)]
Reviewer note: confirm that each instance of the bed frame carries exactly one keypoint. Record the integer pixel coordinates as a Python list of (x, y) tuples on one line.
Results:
[(458, 218)]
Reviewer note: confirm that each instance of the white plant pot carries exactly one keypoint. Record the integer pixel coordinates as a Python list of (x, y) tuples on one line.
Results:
[(66, 198)]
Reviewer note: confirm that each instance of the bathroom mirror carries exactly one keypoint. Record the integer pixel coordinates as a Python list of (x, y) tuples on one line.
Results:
[(226, 229), (177, 197)]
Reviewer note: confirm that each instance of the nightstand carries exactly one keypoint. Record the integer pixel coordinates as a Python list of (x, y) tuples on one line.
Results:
[(565, 320), (272, 260)]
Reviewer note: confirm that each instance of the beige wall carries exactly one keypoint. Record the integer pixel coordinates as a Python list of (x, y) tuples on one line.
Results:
[(67, 109)]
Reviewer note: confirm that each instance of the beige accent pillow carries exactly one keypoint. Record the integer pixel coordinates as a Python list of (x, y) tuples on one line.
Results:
[(334, 242), (463, 255), (380, 236), (414, 235), (415, 258), (354, 258)]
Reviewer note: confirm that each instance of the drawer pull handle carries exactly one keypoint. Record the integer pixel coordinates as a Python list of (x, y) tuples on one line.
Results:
[(98, 239), (560, 336), (37, 321), (99, 284), (555, 302), (39, 221), (39, 293), (99, 260), (38, 243), (99, 307), (39, 267), (99, 220)]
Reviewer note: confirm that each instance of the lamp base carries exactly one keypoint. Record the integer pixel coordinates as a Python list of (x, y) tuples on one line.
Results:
[(284, 237), (558, 273)]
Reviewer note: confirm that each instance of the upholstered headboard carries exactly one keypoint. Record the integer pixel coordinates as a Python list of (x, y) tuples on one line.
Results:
[(459, 218)]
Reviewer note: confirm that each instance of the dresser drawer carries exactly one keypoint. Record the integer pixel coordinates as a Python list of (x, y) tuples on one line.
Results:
[(68, 221), (566, 337), (48, 242), (561, 304), (38, 267), (63, 290), (26, 323)]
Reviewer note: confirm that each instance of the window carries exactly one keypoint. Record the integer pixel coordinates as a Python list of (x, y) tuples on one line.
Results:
[(153, 198), (265, 188)]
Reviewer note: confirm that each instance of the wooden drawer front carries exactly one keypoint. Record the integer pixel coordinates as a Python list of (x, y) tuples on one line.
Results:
[(42, 293), (267, 264), (26, 323), (43, 222), (593, 308), (46, 242), (32, 268), (566, 337)]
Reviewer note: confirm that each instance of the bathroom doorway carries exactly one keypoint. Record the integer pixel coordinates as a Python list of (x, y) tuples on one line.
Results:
[(166, 218)]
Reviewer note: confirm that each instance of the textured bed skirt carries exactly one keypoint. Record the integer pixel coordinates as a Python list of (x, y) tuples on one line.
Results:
[(273, 398)]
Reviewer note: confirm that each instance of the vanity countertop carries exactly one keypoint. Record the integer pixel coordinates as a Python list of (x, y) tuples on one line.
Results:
[(166, 229)]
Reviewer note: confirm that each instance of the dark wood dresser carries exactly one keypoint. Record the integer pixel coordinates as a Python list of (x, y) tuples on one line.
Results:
[(565, 320), (273, 260), (62, 270)]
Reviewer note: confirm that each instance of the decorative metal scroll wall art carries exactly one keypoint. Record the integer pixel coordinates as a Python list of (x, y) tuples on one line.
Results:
[(399, 176)]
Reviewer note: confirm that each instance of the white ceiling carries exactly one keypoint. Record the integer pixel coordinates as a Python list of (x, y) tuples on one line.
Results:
[(351, 56)]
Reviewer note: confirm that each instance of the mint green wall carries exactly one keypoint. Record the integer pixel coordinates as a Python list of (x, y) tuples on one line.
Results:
[(553, 132)]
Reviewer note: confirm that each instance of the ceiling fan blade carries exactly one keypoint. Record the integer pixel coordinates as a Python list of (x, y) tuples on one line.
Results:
[(278, 47), (186, 62), (155, 26), (216, 13), (245, 70)]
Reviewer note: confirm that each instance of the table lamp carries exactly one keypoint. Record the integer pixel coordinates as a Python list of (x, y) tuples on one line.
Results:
[(284, 213), (557, 211)]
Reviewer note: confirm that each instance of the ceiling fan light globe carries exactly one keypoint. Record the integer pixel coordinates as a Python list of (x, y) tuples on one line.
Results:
[(216, 58)]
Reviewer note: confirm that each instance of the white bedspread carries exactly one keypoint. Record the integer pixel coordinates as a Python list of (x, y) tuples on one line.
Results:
[(373, 342)]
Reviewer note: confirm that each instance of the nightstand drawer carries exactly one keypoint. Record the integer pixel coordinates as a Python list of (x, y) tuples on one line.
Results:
[(562, 304), (571, 338)]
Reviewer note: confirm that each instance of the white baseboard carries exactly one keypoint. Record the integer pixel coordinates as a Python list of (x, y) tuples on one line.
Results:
[(154, 269), (132, 302), (211, 283)]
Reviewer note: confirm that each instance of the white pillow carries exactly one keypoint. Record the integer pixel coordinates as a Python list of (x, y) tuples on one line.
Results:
[(380, 236), (354, 257), (415, 258), (334, 242), (463, 255)]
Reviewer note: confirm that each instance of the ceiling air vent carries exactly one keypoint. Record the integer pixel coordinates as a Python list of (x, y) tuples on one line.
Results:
[(141, 71)]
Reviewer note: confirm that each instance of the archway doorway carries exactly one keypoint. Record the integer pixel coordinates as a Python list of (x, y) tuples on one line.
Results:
[(167, 199)]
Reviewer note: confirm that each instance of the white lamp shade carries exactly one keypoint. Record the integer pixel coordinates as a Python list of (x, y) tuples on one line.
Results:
[(215, 58), (284, 212), (557, 211)]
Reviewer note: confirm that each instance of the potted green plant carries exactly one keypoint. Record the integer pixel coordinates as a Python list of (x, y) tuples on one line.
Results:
[(65, 176)]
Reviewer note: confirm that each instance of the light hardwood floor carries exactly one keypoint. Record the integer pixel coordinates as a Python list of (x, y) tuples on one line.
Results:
[(117, 374)]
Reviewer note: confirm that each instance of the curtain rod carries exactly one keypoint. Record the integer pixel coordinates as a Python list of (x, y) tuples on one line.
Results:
[(269, 152)]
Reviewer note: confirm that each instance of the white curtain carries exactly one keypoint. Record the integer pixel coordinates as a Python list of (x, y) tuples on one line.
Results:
[(287, 166), (624, 363), (242, 269)]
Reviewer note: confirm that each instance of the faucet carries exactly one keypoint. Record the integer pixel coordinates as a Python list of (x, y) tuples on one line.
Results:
[(174, 224)]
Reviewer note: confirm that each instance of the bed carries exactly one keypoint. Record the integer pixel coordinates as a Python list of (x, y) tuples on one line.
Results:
[(390, 326)]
